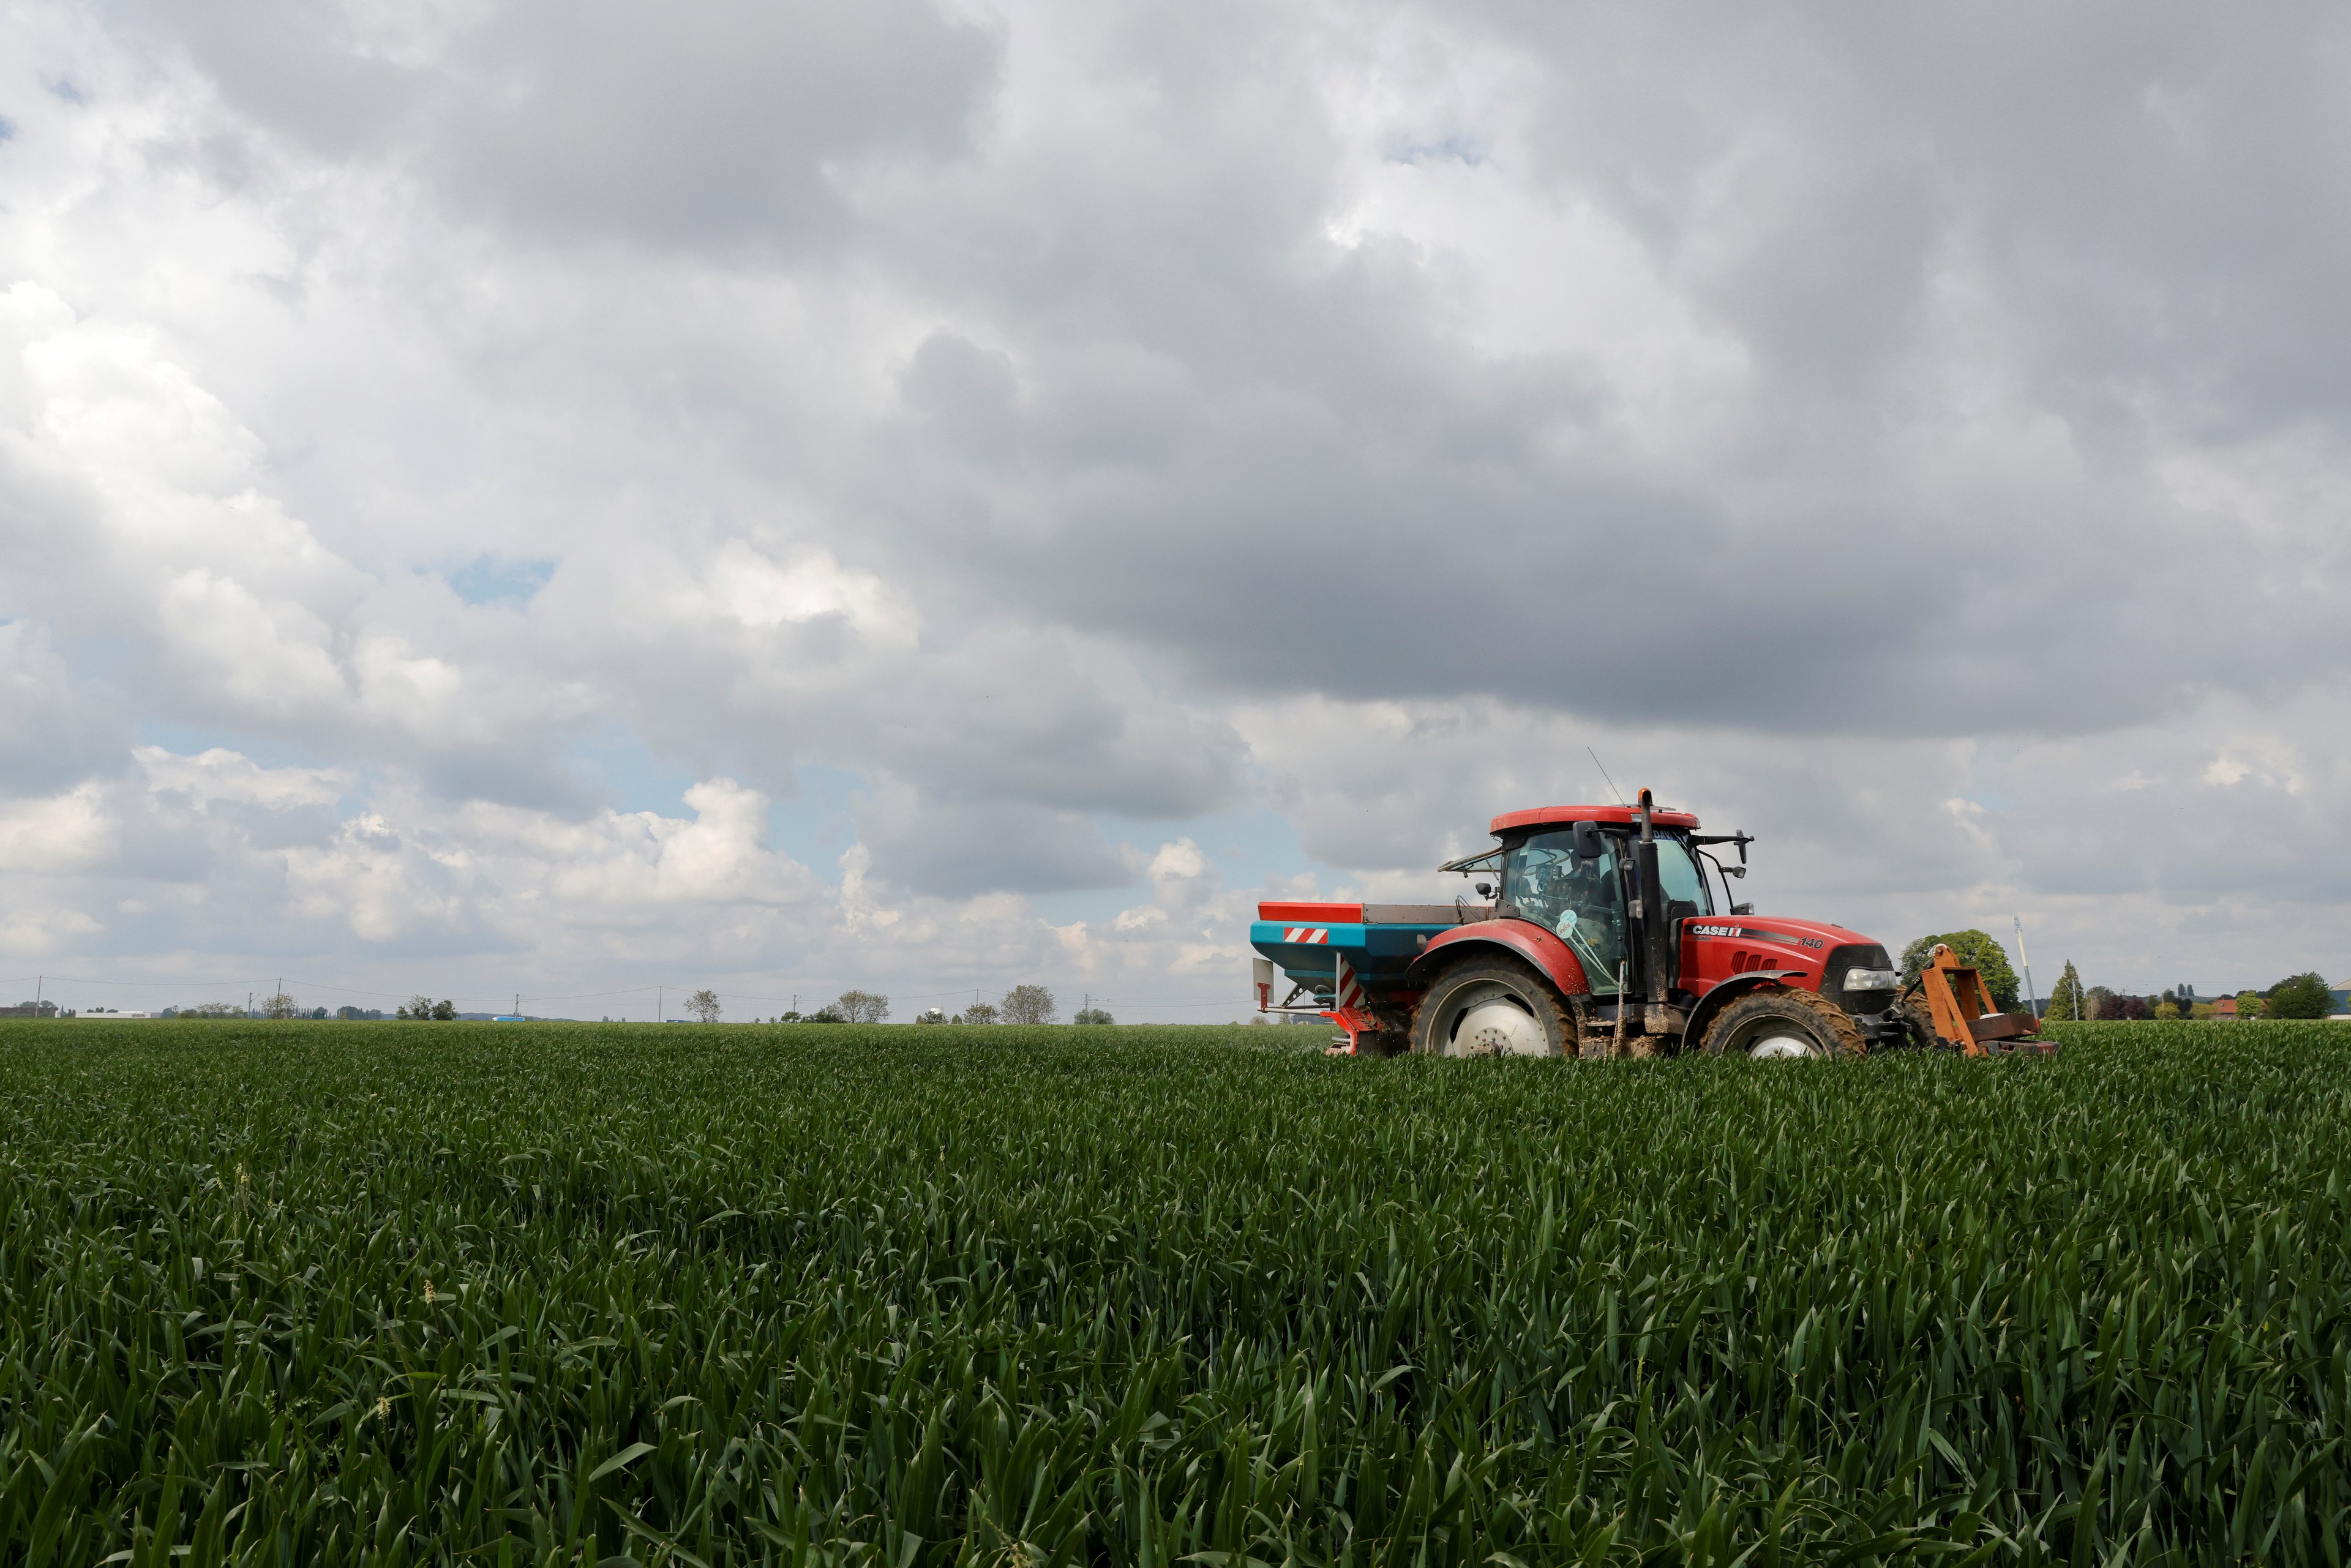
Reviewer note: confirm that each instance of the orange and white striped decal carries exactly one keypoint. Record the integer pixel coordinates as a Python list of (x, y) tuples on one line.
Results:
[(1349, 992), (1306, 934)]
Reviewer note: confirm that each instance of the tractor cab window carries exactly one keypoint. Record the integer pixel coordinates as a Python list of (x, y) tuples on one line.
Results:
[(1582, 900), (1677, 871)]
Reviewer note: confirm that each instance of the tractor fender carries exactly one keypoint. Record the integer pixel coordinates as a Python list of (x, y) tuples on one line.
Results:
[(1727, 992), (1552, 958)]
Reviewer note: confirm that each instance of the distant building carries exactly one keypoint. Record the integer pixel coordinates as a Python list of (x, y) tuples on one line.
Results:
[(111, 1013), (28, 1010), (2226, 1007)]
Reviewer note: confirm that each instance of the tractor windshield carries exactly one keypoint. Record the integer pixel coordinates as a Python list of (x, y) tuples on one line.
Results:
[(1582, 900), (1678, 871)]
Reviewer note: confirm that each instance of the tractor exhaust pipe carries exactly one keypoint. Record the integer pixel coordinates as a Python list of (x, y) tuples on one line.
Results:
[(1656, 932)]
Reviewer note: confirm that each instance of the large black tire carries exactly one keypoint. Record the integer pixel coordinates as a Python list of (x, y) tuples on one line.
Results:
[(1493, 1006), (1779, 1020), (1922, 1024)]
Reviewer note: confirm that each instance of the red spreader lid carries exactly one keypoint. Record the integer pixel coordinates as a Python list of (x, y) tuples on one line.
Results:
[(1326, 913)]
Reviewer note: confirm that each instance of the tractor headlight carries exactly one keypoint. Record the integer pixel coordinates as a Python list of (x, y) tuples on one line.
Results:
[(1872, 980)]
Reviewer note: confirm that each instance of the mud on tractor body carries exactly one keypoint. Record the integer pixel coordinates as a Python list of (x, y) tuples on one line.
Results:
[(1598, 933)]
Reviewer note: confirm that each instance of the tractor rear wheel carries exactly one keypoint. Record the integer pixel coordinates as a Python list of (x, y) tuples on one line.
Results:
[(1781, 1021), (1493, 1006)]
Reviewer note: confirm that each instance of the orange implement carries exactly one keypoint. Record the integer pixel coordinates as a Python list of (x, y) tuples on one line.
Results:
[(1963, 1014)]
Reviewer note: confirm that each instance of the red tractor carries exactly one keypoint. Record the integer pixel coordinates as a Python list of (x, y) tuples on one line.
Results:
[(1598, 934)]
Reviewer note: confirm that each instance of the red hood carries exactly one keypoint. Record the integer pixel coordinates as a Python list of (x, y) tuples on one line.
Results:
[(1804, 933)]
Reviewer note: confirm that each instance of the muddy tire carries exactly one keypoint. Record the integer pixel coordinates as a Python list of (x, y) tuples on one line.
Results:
[(1922, 1024), (1781, 1022), (1493, 1006)]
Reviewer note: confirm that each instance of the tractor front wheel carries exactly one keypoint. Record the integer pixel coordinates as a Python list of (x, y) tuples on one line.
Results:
[(1493, 1006), (1922, 1025), (1781, 1022)]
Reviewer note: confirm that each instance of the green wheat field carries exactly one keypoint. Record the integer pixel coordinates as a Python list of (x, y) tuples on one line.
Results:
[(339, 1293)]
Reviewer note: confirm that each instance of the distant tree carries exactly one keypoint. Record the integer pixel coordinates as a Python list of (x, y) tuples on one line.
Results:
[(1979, 952), (2065, 1001), (829, 1013), (979, 1012), (2167, 1010), (2304, 996), (1028, 1004), (445, 1010), (2202, 1010), (1091, 1015), (318, 1012), (704, 1005), (2131, 1009), (932, 1015), (348, 1014), (861, 1006), (419, 1006), (2097, 1003), (2250, 1006), (789, 1018), (214, 1010), (280, 1006)]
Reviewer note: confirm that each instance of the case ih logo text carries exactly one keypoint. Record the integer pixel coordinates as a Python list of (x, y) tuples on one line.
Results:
[(1752, 935)]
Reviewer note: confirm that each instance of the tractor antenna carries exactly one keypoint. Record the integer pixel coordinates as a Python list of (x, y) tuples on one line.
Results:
[(1603, 773)]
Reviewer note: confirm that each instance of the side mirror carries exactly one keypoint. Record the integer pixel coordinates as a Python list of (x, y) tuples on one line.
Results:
[(1588, 843), (1742, 909), (1485, 890)]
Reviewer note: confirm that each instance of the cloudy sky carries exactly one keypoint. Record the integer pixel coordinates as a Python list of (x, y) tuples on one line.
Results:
[(566, 497)]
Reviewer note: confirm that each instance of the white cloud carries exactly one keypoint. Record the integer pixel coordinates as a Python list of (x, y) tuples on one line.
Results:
[(38, 934), (220, 774), (66, 833), (757, 592)]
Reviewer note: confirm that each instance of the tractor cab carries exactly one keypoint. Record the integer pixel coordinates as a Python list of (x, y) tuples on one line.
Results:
[(1578, 872)]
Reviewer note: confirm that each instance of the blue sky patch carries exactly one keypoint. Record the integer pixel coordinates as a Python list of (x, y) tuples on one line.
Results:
[(499, 579), (1457, 148)]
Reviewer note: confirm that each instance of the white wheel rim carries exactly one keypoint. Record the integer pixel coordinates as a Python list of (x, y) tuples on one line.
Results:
[(1494, 1025), (1780, 1048)]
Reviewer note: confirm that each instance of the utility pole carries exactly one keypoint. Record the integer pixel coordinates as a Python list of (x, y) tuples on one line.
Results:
[(658, 1007), (518, 1004), (37, 981), (2029, 993)]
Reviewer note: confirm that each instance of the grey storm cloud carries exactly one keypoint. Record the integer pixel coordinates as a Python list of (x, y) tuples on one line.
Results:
[(607, 120), (1921, 434), (1989, 287)]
